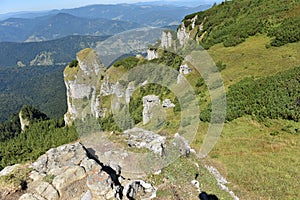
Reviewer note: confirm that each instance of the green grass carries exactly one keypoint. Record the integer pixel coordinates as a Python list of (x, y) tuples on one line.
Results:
[(175, 180), (16, 180), (252, 58), (70, 73), (231, 22), (259, 164)]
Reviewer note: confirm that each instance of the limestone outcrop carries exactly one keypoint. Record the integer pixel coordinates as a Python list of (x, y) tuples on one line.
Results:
[(71, 172), (140, 138), (23, 121), (166, 39), (150, 104), (167, 103), (152, 54), (182, 35), (43, 59), (184, 69), (82, 86)]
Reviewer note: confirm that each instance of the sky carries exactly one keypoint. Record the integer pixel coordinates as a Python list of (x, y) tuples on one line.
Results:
[(7, 6)]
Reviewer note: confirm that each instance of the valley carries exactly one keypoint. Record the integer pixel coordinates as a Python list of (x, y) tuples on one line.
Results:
[(147, 117)]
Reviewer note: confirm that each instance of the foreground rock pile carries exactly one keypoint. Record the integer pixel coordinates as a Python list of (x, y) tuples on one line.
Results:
[(71, 172)]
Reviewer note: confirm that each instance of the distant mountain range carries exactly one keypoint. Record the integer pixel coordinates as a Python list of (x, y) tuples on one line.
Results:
[(94, 20), (36, 46), (47, 53), (59, 25)]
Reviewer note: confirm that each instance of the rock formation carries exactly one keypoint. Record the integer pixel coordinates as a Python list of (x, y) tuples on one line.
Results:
[(152, 54), (166, 39), (23, 121), (129, 91), (182, 35), (71, 172), (81, 83), (184, 69), (107, 88), (140, 138), (150, 104), (42, 59), (167, 103)]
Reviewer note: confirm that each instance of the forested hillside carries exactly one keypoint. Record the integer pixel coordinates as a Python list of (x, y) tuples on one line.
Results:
[(272, 97), (42, 87), (232, 22), (38, 85)]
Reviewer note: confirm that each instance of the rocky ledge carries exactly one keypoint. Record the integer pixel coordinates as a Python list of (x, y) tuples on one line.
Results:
[(71, 172)]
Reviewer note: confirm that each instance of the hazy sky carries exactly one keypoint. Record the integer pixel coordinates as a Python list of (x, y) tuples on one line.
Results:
[(34, 5)]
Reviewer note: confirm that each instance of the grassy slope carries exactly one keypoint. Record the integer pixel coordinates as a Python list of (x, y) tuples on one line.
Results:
[(233, 21), (260, 159), (257, 164), (252, 58)]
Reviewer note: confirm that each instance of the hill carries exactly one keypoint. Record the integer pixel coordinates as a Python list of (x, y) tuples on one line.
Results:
[(59, 25), (232, 22), (53, 52), (42, 87), (258, 149), (257, 43), (94, 20), (31, 73)]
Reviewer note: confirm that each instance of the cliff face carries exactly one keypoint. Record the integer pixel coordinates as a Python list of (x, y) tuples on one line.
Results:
[(182, 35), (81, 83), (89, 82)]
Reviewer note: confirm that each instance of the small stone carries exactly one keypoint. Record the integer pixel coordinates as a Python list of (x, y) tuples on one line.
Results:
[(87, 196)]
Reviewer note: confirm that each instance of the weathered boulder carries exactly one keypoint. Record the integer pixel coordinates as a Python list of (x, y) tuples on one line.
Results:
[(152, 54), (140, 138), (183, 145), (64, 168), (184, 69), (99, 182), (87, 196), (9, 169), (71, 172), (69, 176), (141, 189), (30, 196), (167, 103), (66, 155), (150, 104)]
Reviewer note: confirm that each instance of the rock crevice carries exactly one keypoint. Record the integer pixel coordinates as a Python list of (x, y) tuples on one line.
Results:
[(73, 172)]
